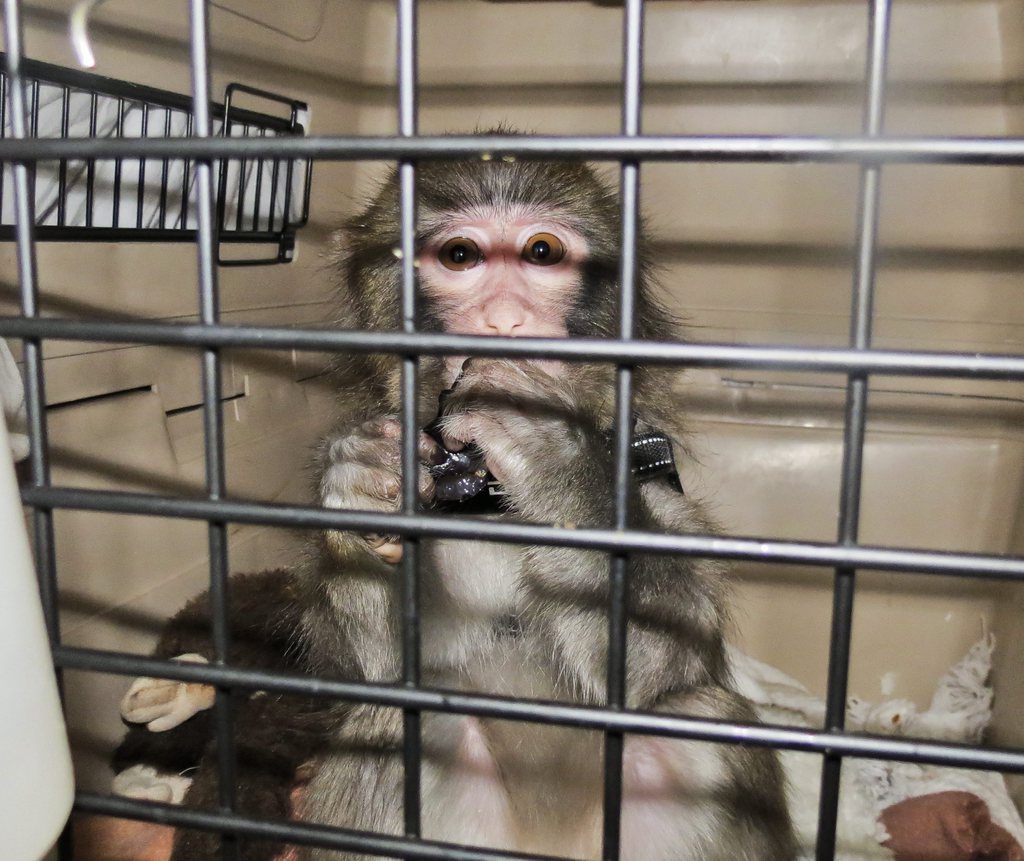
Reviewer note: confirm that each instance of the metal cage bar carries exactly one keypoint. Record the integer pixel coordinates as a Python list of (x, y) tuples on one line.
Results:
[(44, 548), (839, 149), (213, 423), (561, 714), (35, 389), (631, 149), (618, 591), (915, 363), (855, 425), (751, 549), (410, 591)]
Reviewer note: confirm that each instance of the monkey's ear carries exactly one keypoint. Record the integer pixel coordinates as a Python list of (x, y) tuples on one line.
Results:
[(351, 239)]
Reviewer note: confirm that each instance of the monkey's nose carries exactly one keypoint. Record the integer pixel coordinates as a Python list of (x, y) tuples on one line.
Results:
[(505, 318)]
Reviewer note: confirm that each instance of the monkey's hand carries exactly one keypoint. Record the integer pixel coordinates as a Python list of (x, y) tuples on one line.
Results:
[(362, 470), (163, 704), (539, 441)]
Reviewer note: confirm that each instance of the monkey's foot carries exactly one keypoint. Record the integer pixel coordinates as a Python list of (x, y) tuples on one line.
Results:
[(163, 704), (145, 782)]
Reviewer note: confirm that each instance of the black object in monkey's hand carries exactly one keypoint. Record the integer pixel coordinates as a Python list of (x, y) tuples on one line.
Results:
[(463, 483)]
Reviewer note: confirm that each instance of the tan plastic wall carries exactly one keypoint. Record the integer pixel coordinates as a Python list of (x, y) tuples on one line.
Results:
[(749, 253)]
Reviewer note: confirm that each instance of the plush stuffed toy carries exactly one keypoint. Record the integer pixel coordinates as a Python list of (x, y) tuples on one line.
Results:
[(169, 752)]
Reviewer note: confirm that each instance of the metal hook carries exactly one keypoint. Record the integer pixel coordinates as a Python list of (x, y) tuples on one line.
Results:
[(78, 26)]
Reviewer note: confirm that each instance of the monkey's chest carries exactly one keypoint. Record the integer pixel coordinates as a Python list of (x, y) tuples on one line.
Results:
[(474, 628), (473, 578)]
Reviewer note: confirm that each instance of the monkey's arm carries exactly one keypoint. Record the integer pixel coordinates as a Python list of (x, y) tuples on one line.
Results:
[(547, 450)]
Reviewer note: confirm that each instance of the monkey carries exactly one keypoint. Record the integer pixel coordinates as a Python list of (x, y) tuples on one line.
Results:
[(521, 249), (518, 249)]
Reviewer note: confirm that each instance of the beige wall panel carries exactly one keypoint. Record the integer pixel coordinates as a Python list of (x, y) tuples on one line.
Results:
[(948, 480), (904, 639), (938, 474)]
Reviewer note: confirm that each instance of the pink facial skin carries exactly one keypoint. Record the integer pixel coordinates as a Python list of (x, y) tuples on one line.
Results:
[(504, 292)]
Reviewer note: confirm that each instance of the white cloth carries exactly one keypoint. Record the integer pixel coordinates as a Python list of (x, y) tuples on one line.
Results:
[(12, 399), (960, 710)]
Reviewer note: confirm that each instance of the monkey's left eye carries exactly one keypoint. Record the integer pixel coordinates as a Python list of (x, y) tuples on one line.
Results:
[(459, 254), (544, 249)]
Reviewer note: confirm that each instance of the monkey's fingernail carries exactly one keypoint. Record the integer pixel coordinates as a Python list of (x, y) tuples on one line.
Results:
[(397, 252), (453, 444), (429, 450), (379, 539), (387, 547)]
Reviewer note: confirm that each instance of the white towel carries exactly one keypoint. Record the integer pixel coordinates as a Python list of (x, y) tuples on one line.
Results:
[(960, 710)]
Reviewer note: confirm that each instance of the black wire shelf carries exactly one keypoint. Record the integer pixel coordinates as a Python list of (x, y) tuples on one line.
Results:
[(261, 200)]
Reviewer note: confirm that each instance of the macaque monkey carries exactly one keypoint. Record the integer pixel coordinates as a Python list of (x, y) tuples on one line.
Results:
[(519, 249), (522, 249)]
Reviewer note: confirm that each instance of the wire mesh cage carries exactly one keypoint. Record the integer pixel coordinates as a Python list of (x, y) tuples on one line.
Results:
[(264, 156)]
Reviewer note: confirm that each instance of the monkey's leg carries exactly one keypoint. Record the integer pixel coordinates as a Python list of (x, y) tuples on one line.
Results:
[(685, 800), (464, 798), (359, 782)]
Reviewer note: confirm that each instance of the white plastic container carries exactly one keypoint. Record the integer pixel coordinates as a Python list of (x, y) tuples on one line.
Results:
[(36, 782)]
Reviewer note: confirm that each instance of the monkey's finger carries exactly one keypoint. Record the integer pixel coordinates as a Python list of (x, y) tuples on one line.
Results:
[(349, 486), (386, 486), (388, 428), (382, 484), (426, 486), (429, 450), (387, 547), (453, 443)]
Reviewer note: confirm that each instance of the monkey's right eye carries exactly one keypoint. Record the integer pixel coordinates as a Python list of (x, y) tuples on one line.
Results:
[(459, 253)]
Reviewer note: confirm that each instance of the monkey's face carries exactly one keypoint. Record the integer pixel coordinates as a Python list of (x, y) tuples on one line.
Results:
[(514, 273), (521, 249)]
